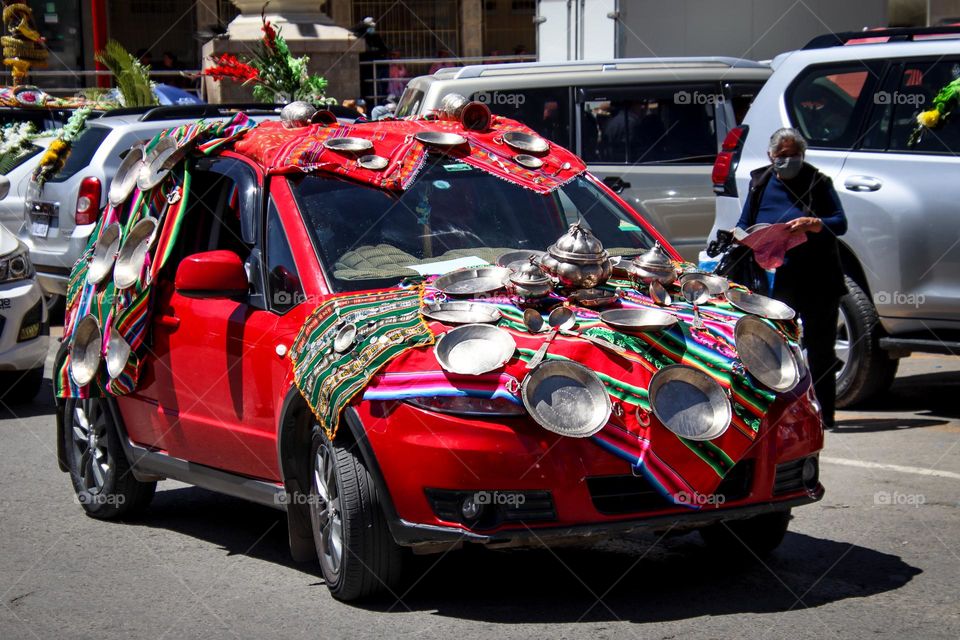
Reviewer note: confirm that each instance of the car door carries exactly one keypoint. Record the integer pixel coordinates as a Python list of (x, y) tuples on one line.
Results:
[(215, 374), (900, 201), (655, 145)]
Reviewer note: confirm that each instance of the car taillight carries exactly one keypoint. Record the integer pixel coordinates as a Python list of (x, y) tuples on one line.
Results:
[(88, 201), (726, 162)]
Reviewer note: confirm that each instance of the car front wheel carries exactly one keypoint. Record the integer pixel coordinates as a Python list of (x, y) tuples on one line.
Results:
[(865, 369), (758, 535), (358, 556)]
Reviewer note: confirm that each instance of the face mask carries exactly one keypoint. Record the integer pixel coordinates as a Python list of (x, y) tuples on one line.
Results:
[(788, 168)]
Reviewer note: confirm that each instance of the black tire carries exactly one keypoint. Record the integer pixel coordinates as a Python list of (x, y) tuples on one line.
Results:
[(370, 562), (756, 536), (21, 387), (868, 369), (112, 492)]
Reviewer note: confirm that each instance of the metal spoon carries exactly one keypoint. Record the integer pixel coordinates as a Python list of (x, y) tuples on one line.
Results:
[(659, 294), (559, 319), (696, 293), (532, 320)]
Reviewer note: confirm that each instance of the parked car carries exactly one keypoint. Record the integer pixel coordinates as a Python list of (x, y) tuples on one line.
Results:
[(24, 326), (856, 101), (650, 128), (315, 232)]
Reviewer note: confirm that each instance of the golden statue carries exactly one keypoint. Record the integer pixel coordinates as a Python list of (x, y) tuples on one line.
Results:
[(23, 46)]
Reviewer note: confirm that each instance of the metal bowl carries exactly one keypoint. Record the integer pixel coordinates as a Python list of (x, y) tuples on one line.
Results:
[(297, 114), (515, 260), (716, 285), (528, 161), (689, 402), (638, 320), (86, 350), (473, 349), (125, 179), (348, 144), (157, 164), (373, 162), (104, 253), (526, 142), (461, 312), (346, 337), (133, 253), (760, 305), (766, 354), (471, 282), (566, 398), (118, 352), (440, 138)]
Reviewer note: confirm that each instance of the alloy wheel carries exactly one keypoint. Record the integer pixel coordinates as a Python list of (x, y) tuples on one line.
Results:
[(842, 346), (90, 444), (325, 510)]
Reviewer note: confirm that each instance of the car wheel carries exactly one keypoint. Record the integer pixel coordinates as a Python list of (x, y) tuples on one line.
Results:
[(98, 467), (865, 369), (21, 387), (758, 535), (358, 556)]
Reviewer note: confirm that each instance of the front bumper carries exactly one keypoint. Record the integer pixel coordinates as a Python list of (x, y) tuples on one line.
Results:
[(16, 300)]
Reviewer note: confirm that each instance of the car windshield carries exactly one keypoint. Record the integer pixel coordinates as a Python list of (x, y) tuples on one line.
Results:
[(368, 238)]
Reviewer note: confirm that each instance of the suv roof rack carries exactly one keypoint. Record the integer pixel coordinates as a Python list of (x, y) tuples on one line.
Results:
[(620, 64), (893, 34)]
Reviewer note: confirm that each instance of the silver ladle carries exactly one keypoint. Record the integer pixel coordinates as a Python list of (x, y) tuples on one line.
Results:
[(696, 293), (559, 319)]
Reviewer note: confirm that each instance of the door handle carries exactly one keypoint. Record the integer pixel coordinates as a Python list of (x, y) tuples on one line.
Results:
[(170, 322), (862, 183), (616, 183)]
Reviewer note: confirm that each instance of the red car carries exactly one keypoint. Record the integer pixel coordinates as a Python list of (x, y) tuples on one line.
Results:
[(289, 227)]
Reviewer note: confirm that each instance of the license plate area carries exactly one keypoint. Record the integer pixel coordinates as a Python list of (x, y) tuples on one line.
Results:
[(42, 216)]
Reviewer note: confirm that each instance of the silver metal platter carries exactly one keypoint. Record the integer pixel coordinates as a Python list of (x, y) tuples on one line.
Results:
[(528, 161), (638, 320), (85, 350), (125, 179), (373, 162), (104, 253), (594, 298), (440, 138), (346, 337), (513, 260), (471, 282), (348, 144), (158, 162), (566, 398), (526, 142), (689, 402), (716, 285), (766, 354), (461, 312), (472, 349), (760, 305), (118, 351), (133, 253)]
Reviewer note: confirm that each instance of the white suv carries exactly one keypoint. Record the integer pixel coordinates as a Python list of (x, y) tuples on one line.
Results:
[(856, 97)]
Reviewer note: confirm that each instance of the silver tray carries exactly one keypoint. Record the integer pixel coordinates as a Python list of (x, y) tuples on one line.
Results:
[(125, 179), (461, 312), (348, 144), (638, 320), (528, 161), (471, 282), (566, 398), (689, 402), (104, 253), (373, 162), (133, 253), (440, 138), (760, 305), (716, 285), (118, 352), (513, 260), (157, 164), (86, 350), (766, 354), (526, 142), (472, 349)]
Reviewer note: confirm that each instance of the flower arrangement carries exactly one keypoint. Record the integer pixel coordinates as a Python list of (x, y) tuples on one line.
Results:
[(133, 78), (943, 105), (56, 154), (276, 74), (15, 140)]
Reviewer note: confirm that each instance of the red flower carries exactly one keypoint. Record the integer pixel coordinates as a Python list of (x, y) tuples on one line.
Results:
[(231, 67), (269, 35)]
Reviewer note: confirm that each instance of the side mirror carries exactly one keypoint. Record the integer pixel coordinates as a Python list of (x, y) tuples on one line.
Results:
[(212, 274)]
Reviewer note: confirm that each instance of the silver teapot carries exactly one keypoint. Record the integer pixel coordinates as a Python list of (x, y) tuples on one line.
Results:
[(578, 259), (530, 281), (653, 265)]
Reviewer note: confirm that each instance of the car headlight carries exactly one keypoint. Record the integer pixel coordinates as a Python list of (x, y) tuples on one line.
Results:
[(16, 266), (468, 406), (766, 354)]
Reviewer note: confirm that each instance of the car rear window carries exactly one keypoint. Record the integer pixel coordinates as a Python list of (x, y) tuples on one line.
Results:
[(9, 162), (81, 152)]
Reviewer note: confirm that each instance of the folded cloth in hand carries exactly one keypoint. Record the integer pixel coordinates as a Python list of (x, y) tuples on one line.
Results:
[(771, 242)]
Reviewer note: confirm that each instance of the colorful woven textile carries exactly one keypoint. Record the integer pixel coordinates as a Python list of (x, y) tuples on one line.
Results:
[(387, 325)]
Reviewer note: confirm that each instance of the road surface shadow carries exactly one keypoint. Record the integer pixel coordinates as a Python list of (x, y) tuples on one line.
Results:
[(42, 405), (927, 394), (873, 425), (640, 577)]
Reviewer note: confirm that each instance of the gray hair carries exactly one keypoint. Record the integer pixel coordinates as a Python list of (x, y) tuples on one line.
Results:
[(786, 133)]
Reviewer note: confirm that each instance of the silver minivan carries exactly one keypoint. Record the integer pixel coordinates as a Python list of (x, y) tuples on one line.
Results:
[(649, 127)]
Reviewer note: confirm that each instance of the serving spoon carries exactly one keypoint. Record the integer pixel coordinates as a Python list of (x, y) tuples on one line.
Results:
[(559, 319)]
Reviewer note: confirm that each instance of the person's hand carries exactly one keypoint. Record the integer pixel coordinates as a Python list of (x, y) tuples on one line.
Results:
[(807, 223)]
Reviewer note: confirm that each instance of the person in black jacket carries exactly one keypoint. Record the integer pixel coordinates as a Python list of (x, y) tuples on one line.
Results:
[(811, 279)]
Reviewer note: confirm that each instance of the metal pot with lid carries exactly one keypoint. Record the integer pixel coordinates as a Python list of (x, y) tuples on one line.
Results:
[(530, 281), (578, 259), (654, 264)]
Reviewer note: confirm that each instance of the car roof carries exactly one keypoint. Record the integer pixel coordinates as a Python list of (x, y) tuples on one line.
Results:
[(867, 45)]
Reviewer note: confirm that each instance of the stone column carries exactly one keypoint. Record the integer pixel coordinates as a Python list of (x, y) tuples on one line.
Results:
[(334, 51), (471, 28)]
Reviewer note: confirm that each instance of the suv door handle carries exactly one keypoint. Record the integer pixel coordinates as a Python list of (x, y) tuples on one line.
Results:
[(616, 183), (862, 183)]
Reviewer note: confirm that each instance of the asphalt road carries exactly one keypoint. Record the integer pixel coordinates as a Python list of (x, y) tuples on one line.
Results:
[(878, 557)]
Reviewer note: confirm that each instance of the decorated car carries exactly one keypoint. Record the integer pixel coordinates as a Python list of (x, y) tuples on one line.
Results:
[(419, 334)]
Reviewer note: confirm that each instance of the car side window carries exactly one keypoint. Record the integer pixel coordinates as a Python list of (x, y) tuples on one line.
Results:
[(545, 110), (646, 125), (919, 83), (828, 103), (283, 280)]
